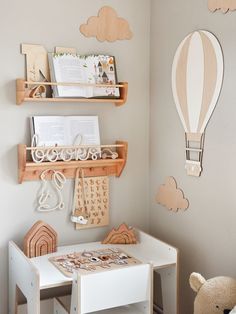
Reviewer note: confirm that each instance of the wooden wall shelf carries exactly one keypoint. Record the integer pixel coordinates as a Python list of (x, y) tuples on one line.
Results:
[(30, 171), (22, 91)]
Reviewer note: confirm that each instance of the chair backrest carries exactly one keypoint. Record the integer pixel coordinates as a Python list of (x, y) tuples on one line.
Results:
[(112, 288)]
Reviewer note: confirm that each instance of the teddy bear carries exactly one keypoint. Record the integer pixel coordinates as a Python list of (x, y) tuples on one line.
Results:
[(214, 296)]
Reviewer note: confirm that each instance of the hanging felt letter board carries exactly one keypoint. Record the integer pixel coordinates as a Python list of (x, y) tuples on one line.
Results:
[(91, 201)]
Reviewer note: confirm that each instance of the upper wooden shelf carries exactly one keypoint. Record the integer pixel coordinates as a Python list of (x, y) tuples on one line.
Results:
[(22, 92), (29, 170)]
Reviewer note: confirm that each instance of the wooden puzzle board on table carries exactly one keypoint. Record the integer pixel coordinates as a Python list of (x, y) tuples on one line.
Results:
[(93, 261)]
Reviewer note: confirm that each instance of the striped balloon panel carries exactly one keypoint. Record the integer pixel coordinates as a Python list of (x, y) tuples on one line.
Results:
[(197, 76)]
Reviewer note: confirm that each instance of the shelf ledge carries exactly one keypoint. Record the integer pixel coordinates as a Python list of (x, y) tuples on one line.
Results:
[(31, 171), (22, 91)]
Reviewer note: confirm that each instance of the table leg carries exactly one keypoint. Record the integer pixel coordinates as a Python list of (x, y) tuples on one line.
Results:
[(169, 285), (13, 300)]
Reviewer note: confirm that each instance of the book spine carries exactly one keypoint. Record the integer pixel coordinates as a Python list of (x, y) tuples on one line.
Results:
[(52, 74)]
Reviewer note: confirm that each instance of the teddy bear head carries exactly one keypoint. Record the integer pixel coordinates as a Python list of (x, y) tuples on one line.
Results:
[(214, 296)]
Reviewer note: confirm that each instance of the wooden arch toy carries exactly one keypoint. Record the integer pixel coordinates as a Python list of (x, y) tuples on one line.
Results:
[(41, 239)]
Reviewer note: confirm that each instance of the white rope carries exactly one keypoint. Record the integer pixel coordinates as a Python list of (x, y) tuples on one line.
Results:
[(58, 181), (57, 153), (81, 219)]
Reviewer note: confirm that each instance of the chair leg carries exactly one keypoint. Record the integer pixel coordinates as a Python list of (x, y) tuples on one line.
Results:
[(75, 307), (13, 297), (58, 308), (169, 289), (33, 307)]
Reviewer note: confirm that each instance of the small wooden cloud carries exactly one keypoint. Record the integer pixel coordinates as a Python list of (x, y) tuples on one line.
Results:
[(41, 239), (223, 5), (122, 235), (107, 26), (171, 197)]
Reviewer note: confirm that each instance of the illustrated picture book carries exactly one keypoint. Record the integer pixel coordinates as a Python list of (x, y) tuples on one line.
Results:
[(87, 71)]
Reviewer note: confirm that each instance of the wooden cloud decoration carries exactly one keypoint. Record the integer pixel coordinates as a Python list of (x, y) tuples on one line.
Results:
[(107, 26), (223, 5), (171, 197), (197, 76), (122, 235), (41, 239)]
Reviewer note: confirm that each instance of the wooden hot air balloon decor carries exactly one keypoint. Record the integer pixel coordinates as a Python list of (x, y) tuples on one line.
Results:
[(197, 76)]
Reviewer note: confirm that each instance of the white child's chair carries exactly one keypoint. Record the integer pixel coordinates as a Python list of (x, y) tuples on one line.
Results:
[(233, 310), (124, 290)]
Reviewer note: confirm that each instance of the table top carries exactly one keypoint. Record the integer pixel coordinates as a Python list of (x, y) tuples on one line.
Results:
[(148, 250)]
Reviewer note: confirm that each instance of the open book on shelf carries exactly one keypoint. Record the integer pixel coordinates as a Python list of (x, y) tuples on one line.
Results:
[(91, 71), (65, 130)]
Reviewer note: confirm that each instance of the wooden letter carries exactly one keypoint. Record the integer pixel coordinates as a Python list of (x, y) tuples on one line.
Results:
[(36, 62)]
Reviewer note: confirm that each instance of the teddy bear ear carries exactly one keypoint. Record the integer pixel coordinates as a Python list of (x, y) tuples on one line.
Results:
[(196, 281)]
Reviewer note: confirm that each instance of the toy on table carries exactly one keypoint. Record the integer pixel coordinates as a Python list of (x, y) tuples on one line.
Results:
[(122, 235), (214, 296), (93, 261), (41, 239)]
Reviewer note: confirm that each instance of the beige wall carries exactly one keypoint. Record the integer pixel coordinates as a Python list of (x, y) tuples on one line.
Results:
[(205, 233), (51, 23)]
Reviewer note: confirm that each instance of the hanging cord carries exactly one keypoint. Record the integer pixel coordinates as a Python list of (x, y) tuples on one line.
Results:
[(58, 181), (81, 219), (50, 154), (78, 139), (36, 156)]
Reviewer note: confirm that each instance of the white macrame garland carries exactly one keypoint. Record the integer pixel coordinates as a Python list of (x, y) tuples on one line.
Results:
[(58, 180), (77, 151)]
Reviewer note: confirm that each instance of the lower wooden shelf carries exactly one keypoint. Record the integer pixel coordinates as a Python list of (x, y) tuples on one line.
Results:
[(31, 171), (48, 304), (62, 306)]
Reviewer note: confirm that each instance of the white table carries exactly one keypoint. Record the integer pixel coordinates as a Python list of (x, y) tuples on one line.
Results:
[(36, 274)]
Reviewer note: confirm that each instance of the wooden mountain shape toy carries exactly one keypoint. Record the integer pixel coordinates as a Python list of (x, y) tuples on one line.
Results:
[(40, 240), (122, 235)]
